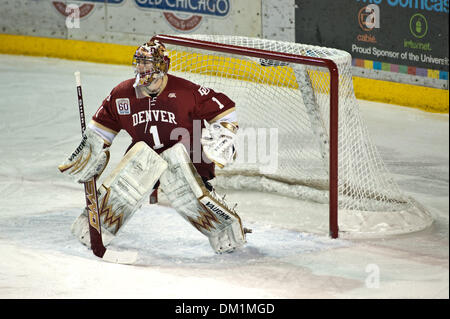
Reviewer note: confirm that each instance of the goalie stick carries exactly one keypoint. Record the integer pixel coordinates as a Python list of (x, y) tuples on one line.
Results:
[(90, 191)]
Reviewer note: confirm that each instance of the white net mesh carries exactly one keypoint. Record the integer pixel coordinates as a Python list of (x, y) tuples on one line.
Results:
[(283, 146)]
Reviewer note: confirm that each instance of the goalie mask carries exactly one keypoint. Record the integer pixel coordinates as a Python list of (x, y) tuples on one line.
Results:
[(150, 62)]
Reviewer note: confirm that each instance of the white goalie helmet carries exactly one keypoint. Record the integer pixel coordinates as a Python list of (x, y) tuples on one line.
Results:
[(150, 62)]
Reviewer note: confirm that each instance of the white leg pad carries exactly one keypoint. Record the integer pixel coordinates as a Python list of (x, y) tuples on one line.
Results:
[(194, 202), (123, 192)]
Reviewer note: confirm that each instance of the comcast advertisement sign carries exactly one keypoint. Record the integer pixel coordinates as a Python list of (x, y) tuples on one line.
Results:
[(406, 36)]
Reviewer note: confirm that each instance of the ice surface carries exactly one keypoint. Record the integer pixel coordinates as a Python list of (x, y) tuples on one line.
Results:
[(40, 258)]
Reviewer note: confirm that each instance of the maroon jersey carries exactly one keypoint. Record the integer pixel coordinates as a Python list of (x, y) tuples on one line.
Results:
[(176, 114)]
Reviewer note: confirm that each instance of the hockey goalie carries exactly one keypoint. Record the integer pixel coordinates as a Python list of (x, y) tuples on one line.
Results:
[(158, 111)]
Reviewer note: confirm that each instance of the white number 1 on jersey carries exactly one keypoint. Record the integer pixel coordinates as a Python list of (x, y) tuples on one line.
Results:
[(218, 102), (156, 140)]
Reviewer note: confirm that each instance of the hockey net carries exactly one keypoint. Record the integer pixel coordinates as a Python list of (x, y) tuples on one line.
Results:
[(283, 101)]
